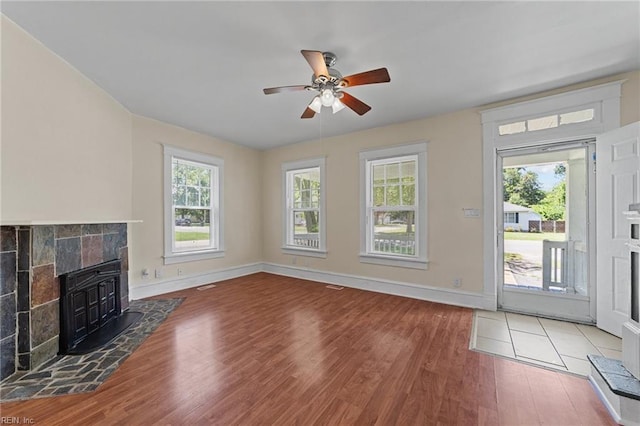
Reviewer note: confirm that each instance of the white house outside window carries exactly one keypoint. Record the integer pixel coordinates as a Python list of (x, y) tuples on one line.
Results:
[(304, 218), (193, 214), (394, 206)]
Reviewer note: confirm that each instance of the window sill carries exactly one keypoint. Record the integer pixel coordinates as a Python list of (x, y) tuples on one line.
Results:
[(192, 256), (402, 262), (298, 251)]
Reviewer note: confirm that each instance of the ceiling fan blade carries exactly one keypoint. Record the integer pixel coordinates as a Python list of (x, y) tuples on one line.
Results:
[(308, 113), (355, 104), (316, 60), (281, 89), (381, 75)]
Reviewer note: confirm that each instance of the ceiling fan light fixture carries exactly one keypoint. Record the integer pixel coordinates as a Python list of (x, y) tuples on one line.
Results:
[(327, 97), (337, 105), (316, 104)]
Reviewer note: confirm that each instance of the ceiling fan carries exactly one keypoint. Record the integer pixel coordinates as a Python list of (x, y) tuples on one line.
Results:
[(328, 82)]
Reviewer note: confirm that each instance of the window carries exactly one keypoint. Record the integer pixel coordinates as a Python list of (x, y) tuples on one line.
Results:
[(547, 122), (193, 214), (394, 206), (304, 217), (511, 217)]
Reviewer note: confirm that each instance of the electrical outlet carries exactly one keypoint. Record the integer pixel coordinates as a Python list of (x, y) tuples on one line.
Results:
[(457, 282), (145, 273), (179, 271), (158, 273), (294, 260)]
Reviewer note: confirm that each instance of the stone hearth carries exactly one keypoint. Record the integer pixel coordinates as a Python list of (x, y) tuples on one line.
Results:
[(31, 259)]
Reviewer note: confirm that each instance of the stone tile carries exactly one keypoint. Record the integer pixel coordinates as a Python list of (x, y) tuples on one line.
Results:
[(115, 228), (87, 368), (37, 375), (67, 231), (7, 357), (24, 291), (24, 362), (45, 323), (24, 249), (8, 315), (68, 255), (7, 272), (92, 250), (24, 340), (24, 391), (124, 303), (94, 229), (44, 285), (124, 257), (112, 243), (124, 284), (8, 241), (44, 352), (43, 246)]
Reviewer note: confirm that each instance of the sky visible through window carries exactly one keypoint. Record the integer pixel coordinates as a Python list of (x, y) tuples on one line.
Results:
[(546, 175)]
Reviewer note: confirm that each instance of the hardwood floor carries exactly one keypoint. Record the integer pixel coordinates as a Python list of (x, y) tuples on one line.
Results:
[(265, 349)]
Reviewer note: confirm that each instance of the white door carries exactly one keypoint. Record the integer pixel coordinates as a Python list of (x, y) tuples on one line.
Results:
[(617, 186)]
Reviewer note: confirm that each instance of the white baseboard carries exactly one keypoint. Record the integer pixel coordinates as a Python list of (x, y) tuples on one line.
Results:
[(414, 291), (602, 394), (188, 281)]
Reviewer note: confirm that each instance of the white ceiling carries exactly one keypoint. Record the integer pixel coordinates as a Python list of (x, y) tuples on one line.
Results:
[(203, 65)]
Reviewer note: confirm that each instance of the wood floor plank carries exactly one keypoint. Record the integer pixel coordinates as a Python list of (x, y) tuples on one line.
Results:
[(266, 349)]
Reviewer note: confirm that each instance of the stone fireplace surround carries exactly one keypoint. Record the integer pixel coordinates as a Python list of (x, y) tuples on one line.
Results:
[(31, 259)]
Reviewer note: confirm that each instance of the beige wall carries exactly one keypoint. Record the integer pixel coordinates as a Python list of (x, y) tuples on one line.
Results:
[(454, 182), (454, 175), (72, 153), (66, 144), (241, 200)]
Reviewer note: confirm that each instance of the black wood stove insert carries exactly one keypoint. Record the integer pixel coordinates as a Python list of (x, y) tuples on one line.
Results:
[(90, 310)]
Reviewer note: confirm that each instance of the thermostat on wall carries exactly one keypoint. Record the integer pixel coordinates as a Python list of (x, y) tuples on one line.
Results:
[(471, 212)]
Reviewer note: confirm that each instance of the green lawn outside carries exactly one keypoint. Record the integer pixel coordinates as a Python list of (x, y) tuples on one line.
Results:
[(191, 236), (534, 236)]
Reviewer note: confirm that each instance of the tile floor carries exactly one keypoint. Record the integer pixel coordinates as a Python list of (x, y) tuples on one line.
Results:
[(544, 342)]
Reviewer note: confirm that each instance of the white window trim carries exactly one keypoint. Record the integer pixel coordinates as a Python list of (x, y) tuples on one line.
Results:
[(420, 260), (606, 100), (171, 257), (321, 251)]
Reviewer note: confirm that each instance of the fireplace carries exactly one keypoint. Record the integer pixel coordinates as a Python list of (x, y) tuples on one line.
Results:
[(90, 311), (32, 260)]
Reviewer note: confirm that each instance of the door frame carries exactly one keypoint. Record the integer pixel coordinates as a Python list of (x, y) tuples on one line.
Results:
[(573, 307), (604, 98)]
